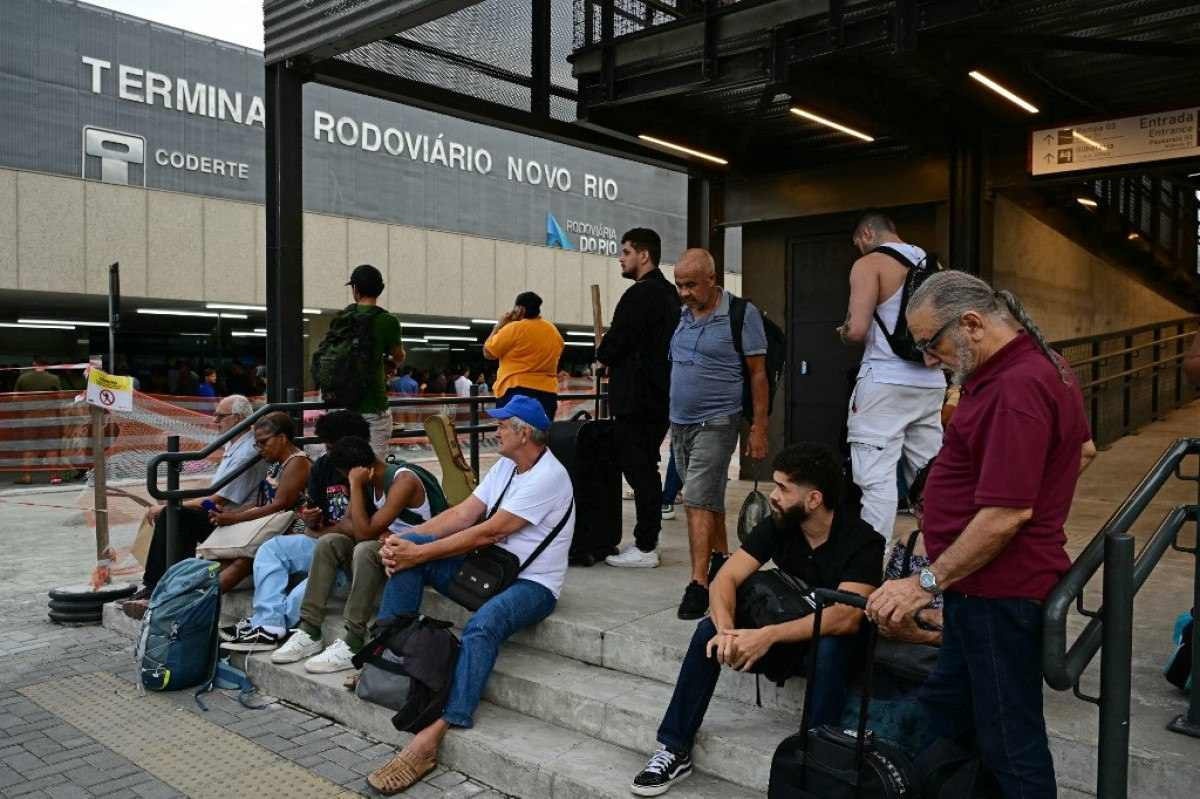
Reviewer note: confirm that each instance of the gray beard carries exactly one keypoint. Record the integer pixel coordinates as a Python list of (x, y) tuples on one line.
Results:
[(967, 362)]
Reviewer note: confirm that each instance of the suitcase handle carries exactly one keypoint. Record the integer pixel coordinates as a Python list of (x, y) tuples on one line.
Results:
[(830, 597)]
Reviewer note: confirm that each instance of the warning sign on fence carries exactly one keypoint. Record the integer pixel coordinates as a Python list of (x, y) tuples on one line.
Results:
[(111, 392)]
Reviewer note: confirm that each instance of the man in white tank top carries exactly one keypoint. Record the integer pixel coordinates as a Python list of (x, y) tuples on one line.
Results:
[(895, 407)]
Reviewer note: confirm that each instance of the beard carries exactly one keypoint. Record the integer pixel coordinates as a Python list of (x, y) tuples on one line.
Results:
[(967, 360), (788, 518)]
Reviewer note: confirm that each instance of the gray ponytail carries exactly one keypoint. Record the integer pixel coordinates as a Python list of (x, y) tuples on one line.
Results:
[(952, 293)]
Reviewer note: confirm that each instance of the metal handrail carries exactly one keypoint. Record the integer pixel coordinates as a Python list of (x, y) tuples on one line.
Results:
[(1110, 627), (1149, 345), (1133, 331)]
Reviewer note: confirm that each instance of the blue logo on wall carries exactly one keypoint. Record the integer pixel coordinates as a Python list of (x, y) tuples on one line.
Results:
[(555, 237)]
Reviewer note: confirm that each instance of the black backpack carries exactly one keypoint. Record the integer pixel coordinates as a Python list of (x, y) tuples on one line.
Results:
[(776, 354), (408, 666), (342, 364), (900, 340)]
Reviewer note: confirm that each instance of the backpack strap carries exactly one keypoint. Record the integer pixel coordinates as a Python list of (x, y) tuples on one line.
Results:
[(548, 539), (908, 552), (737, 321)]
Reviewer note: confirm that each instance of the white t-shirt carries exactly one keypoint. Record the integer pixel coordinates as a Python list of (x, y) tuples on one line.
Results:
[(462, 386), (540, 496)]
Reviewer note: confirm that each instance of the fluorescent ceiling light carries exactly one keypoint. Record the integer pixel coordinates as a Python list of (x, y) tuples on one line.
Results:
[(680, 148), (415, 340), (232, 307), (72, 322), (172, 312), (247, 334), (1133, 237), (313, 311), (1076, 134), (197, 335), (829, 123), (37, 327), (1003, 92), (260, 330), (1087, 202), (432, 326), (483, 321), (579, 343), (580, 333), (451, 338)]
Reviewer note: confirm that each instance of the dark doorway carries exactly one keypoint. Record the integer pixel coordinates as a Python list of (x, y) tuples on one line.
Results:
[(820, 368)]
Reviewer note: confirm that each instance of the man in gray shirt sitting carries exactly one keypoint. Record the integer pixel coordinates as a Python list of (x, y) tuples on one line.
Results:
[(706, 410)]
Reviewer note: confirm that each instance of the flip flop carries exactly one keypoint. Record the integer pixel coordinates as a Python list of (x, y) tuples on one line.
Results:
[(400, 773)]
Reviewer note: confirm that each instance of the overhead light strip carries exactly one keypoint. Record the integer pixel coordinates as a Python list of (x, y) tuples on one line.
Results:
[(579, 343), (72, 322), (247, 334), (1087, 202), (809, 115), (580, 333), (451, 338), (433, 326), (37, 327), (1007, 94), (483, 321), (681, 149), (173, 312)]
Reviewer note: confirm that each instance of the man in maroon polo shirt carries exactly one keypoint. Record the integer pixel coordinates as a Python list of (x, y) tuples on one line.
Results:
[(995, 503)]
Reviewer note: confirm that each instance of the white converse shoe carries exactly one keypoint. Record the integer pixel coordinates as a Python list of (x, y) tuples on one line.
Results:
[(300, 646), (668, 512), (336, 658), (633, 558)]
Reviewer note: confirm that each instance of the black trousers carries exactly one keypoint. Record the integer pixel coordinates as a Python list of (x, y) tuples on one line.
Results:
[(638, 442), (549, 400), (193, 528)]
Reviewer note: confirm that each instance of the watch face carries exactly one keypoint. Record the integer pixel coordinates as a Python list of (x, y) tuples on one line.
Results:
[(927, 579)]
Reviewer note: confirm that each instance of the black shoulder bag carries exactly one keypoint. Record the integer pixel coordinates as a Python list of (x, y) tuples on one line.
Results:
[(489, 570)]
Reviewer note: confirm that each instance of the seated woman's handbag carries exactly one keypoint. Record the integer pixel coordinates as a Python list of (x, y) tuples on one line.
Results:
[(243, 539), (490, 570)]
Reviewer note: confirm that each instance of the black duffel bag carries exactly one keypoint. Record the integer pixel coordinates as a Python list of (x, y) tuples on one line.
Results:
[(408, 666)]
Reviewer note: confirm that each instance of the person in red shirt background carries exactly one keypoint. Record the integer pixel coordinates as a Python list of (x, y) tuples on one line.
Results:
[(995, 504)]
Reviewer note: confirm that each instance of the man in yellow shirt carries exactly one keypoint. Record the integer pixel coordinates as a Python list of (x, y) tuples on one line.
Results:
[(528, 348)]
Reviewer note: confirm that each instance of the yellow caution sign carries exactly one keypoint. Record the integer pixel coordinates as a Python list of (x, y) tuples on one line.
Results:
[(111, 392)]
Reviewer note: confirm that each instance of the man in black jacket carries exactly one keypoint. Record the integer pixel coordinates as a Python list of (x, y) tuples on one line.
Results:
[(635, 350)]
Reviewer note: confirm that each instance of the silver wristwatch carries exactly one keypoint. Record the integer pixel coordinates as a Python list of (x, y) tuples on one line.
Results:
[(929, 581)]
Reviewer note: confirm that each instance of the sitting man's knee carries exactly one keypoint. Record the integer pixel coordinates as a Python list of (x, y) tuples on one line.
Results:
[(367, 553)]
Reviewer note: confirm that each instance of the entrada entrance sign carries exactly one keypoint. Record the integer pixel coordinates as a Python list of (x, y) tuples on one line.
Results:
[(1115, 142)]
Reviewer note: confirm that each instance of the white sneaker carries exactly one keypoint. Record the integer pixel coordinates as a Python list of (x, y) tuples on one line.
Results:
[(627, 493), (633, 558), (336, 658), (300, 646), (668, 512)]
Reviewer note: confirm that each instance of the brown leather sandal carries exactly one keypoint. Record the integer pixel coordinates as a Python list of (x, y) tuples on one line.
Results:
[(400, 773)]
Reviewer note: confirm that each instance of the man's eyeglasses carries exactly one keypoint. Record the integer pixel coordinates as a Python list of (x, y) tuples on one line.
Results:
[(923, 347)]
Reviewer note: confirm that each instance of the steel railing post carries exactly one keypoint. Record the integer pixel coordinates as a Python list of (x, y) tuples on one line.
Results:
[(474, 428), (1116, 654), (172, 510)]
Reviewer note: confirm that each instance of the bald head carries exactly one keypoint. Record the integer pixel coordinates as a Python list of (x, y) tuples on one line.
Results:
[(696, 280)]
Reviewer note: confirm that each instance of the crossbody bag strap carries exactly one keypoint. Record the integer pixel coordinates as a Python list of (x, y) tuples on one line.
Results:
[(500, 498), (548, 539)]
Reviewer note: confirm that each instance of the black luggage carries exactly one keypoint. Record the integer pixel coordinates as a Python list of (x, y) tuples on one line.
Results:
[(832, 763), (587, 448)]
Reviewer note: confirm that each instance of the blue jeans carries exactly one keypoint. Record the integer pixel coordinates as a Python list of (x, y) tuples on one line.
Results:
[(520, 605), (275, 607), (673, 482), (698, 679), (988, 681)]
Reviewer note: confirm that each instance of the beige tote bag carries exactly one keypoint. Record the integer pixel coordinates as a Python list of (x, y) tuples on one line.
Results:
[(243, 539)]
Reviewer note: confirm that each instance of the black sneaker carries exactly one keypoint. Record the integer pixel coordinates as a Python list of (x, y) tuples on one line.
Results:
[(664, 770), (254, 639), (715, 561), (232, 631), (695, 602)]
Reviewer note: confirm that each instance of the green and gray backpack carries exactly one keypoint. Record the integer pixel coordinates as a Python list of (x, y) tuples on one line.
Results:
[(433, 490)]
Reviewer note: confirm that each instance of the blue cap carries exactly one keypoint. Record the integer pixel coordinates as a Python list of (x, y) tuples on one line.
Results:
[(527, 409)]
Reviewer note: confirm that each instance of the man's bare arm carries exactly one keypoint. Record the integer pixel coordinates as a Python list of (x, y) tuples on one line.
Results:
[(864, 297)]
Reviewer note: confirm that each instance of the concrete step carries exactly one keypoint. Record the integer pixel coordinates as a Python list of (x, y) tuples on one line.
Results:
[(515, 753)]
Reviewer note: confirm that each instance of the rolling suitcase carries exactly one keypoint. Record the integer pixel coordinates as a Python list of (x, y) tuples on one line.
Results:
[(831, 763), (587, 449)]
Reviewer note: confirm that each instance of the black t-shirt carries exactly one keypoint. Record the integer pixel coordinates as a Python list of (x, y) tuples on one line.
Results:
[(853, 553), (328, 491)]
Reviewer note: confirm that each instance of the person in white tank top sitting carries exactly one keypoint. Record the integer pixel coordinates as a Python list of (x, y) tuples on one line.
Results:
[(894, 415), (378, 508)]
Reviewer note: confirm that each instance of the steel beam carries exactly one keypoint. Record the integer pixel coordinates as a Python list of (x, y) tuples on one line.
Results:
[(539, 59), (285, 230), (966, 200)]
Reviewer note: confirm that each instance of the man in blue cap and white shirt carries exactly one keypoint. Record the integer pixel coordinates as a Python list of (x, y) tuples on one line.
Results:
[(522, 499)]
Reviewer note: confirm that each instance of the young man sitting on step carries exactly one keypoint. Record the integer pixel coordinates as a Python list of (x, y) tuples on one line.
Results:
[(808, 541), (383, 500)]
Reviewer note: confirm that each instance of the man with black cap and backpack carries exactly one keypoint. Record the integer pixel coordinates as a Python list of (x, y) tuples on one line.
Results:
[(895, 408), (348, 365)]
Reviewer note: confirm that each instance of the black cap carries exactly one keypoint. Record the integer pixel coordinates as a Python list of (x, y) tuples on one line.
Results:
[(367, 280), (531, 302)]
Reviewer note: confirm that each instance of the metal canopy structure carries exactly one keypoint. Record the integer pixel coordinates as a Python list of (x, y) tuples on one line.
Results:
[(721, 76)]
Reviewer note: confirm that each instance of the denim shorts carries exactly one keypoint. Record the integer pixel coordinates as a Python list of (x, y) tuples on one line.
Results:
[(702, 452)]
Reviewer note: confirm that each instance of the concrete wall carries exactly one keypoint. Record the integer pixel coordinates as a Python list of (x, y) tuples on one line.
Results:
[(1068, 291), (60, 234)]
